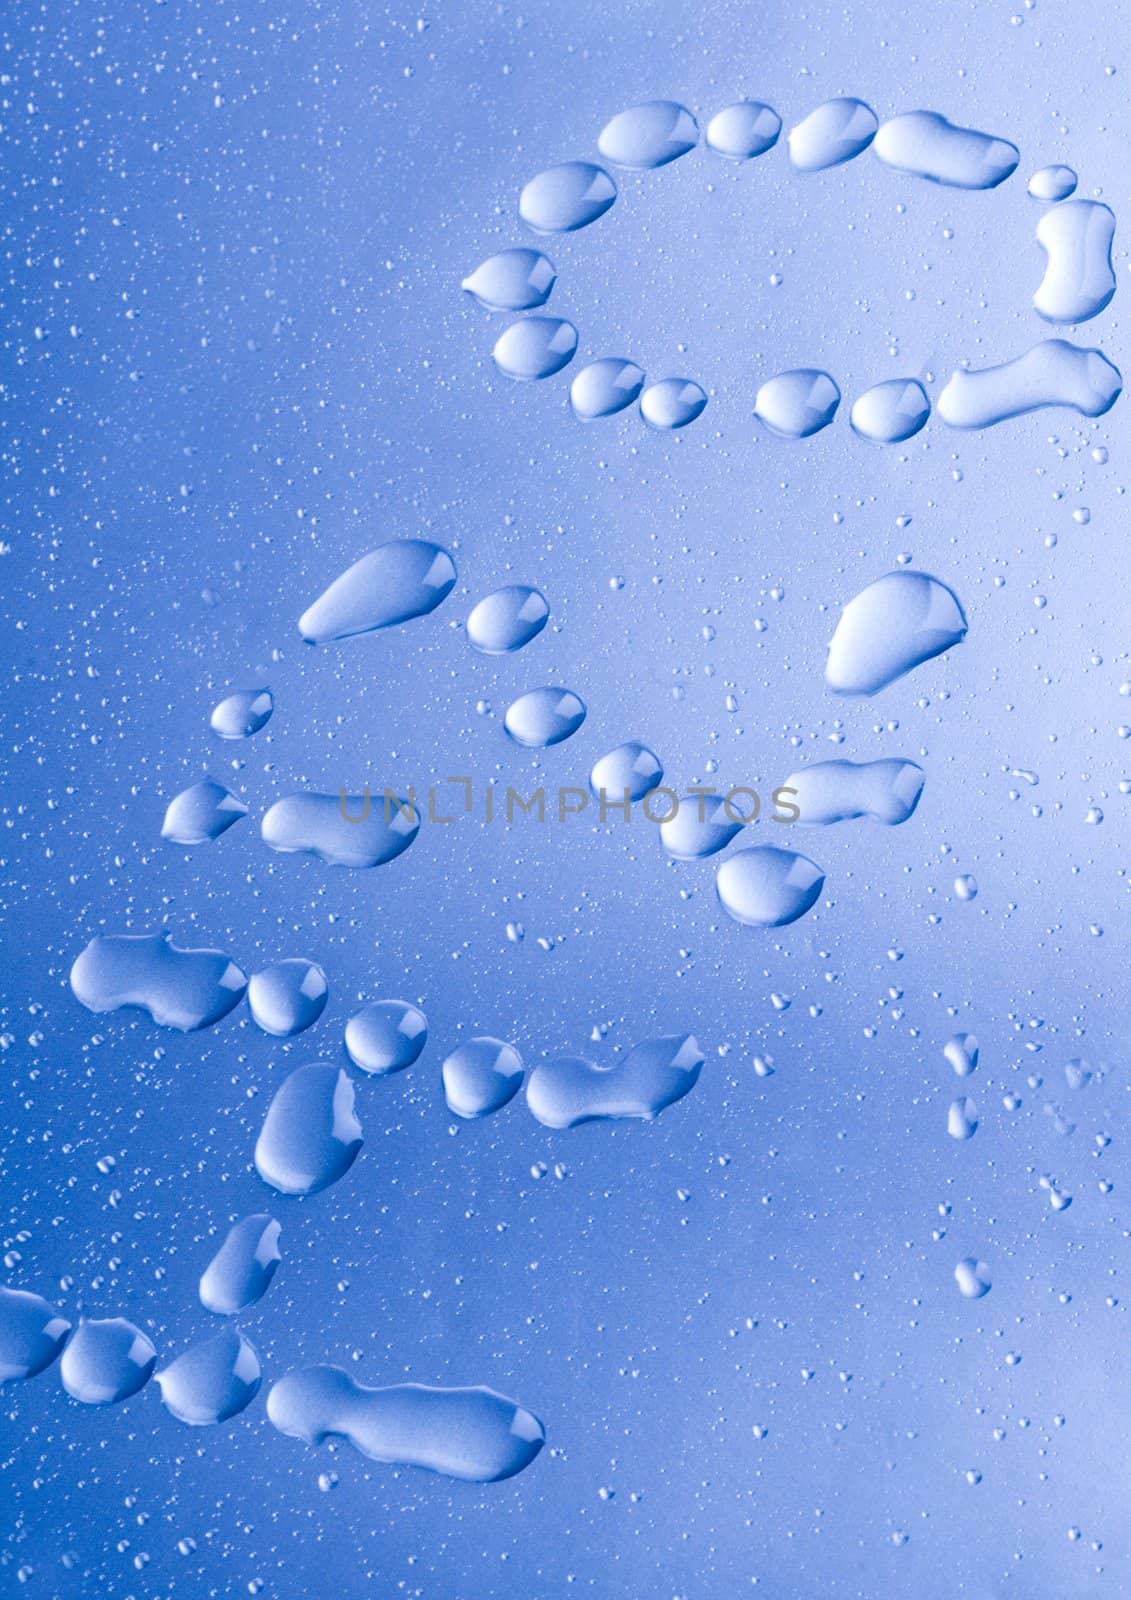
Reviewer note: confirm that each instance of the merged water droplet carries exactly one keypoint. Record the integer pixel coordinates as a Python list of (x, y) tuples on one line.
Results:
[(535, 347), (386, 1036), (1078, 282), (891, 411), (288, 996), (833, 133), (649, 135), (962, 1118), (653, 1075), (744, 130), (543, 717), (185, 989), (241, 715), (1052, 183), (962, 1053), (507, 620), (311, 1135), (481, 1076), (567, 197), (889, 629), (701, 826), (887, 791), (213, 1380), (201, 813), (400, 580), (672, 403), (631, 769), (605, 387), (355, 830), (926, 145), (513, 280), (31, 1334), (972, 1278), (767, 887), (475, 1434), (797, 404), (106, 1360), (1052, 373), (241, 1271)]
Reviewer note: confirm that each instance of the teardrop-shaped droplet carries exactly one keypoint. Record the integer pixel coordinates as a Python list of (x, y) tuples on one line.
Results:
[(535, 347), (653, 1075), (831, 134), (889, 629), (106, 1360), (928, 146), (605, 387), (972, 1277), (672, 403), (543, 717), (481, 1076), (631, 769), (31, 1334), (346, 830), (311, 1135), (1052, 183), (766, 887), (398, 581), (962, 1118), (1078, 282), (201, 813), (649, 135), (886, 791), (386, 1036), (288, 996), (797, 404), (891, 411), (743, 131), (507, 620), (240, 1272), (567, 197), (185, 989), (700, 826), (214, 1380), (962, 1053), (513, 280), (241, 715)]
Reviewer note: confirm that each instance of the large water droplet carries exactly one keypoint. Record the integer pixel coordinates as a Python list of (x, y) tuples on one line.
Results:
[(672, 403), (1052, 373), (569, 1091), (507, 620), (107, 1360), (887, 791), (311, 1135), (543, 717), (833, 133), (472, 1434), (766, 887), (241, 715), (891, 411), (31, 1334), (962, 1053), (743, 131), (797, 404), (928, 146), (386, 1036), (513, 280), (972, 1278), (567, 197), (605, 387), (535, 347), (201, 813), (962, 1118), (343, 830), (701, 826), (481, 1076), (401, 579), (649, 135), (1078, 281), (212, 1381), (630, 769), (287, 997), (185, 989), (1052, 183), (240, 1272), (889, 628)]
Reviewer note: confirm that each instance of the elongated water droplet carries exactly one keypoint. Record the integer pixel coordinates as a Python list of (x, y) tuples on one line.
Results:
[(766, 887), (630, 769), (744, 130), (398, 581), (1052, 373), (343, 830), (31, 1334), (386, 1036), (1078, 282), (240, 1272), (655, 1074), (887, 791), (513, 280), (962, 1118), (1052, 183), (605, 387), (649, 135), (892, 411), (543, 717), (890, 628), (797, 404), (185, 989), (926, 145), (507, 620), (700, 827), (106, 1360), (535, 347), (962, 1053), (672, 403), (972, 1277), (212, 1381), (832, 134), (567, 197), (288, 997), (241, 715), (311, 1135), (475, 1434), (481, 1076), (201, 813)]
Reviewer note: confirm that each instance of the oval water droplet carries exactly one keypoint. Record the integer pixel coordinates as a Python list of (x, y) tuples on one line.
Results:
[(889, 629), (386, 1036), (766, 887), (655, 1074), (201, 813), (891, 411), (962, 1053), (797, 404), (1052, 373), (567, 197), (887, 791), (212, 1381), (240, 1272), (481, 1076), (106, 1360), (400, 580), (507, 620), (1078, 282), (649, 135), (241, 715), (744, 130), (834, 133), (184, 989), (966, 887), (926, 145), (605, 387), (972, 1277), (962, 1118), (31, 1334), (631, 769), (513, 280), (701, 826), (535, 347), (288, 996), (355, 830), (1052, 183), (543, 717), (311, 1135), (672, 403)]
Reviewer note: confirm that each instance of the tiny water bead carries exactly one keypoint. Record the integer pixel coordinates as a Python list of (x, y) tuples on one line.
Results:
[(567, 1092), (966, 887), (889, 629), (1052, 183), (797, 404), (241, 715), (672, 403), (241, 1271), (212, 1381), (630, 769), (355, 830), (891, 411), (972, 1277), (32, 1334), (744, 130), (201, 813), (107, 1360), (507, 620), (926, 145), (481, 1076), (386, 1036), (649, 135), (310, 1136), (701, 825), (513, 280), (544, 717), (566, 197), (184, 989), (535, 347), (400, 580), (832, 134), (605, 387), (962, 1118), (1078, 282), (961, 1052), (1052, 373), (768, 887), (288, 996), (886, 791)]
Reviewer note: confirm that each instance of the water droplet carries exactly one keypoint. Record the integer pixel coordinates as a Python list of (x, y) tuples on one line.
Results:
[(474, 1435), (655, 1074), (401, 579), (513, 280), (185, 989), (765, 887), (106, 1361), (701, 826), (962, 1118), (1052, 373), (535, 347), (797, 404), (605, 387), (966, 887), (212, 1381), (962, 1053), (311, 1135), (672, 403), (892, 411), (889, 629), (1052, 183), (972, 1278), (481, 1076), (287, 997), (887, 791), (201, 813), (567, 197), (1078, 282), (631, 768), (241, 715), (543, 717), (31, 1334), (649, 135), (386, 1036), (240, 1272), (834, 133), (928, 146), (343, 830), (507, 620), (743, 131)]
